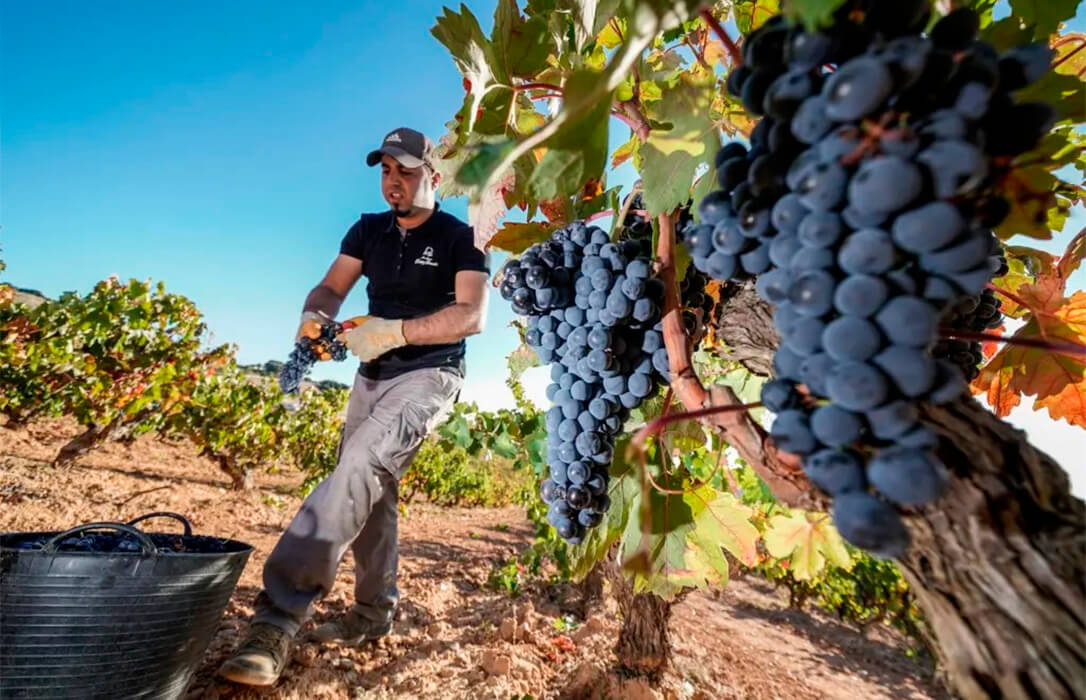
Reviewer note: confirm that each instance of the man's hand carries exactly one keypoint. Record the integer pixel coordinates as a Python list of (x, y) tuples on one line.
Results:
[(310, 326), (369, 337)]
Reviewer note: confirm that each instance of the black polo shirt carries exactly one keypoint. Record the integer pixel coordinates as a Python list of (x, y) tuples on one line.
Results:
[(412, 275)]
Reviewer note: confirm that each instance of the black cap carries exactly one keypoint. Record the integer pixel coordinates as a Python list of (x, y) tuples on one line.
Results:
[(411, 148)]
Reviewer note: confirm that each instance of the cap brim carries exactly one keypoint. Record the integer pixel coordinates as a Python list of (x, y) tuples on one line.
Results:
[(405, 159)]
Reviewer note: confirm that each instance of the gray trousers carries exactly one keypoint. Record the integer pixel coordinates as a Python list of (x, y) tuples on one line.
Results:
[(356, 505)]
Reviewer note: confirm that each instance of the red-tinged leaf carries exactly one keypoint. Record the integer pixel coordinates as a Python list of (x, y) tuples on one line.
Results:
[(564, 643), (557, 211), (989, 347), (516, 237), (1056, 380), (485, 214)]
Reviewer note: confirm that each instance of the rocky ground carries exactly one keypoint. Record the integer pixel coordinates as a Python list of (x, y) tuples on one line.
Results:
[(454, 637)]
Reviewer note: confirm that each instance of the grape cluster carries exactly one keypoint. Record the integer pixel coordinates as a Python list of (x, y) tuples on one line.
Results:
[(307, 352), (593, 312), (864, 209), (977, 313)]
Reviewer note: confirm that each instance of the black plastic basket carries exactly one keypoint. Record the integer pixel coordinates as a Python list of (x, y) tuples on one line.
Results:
[(84, 625)]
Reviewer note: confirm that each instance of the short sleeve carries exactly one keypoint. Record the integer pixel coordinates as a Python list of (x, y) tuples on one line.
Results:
[(466, 256), (353, 244)]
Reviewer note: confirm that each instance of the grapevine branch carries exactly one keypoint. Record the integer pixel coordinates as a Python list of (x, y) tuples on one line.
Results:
[(655, 426), (733, 50), (779, 470), (1059, 348)]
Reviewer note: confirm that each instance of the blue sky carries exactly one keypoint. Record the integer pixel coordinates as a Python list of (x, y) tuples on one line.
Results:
[(219, 147)]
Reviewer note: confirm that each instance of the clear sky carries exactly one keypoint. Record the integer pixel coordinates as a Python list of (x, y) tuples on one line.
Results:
[(219, 147)]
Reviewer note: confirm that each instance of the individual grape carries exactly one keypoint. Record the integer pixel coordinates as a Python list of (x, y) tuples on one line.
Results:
[(856, 89), (778, 395), (836, 472), (907, 476), (791, 432), (869, 251), (884, 184), (820, 229), (811, 121), (893, 419), (773, 285), (787, 214), (860, 295), (785, 94), (836, 427), (920, 436), (955, 31), (965, 255), (782, 249), (1020, 66), (910, 369), (955, 167), (823, 186), (927, 228), (814, 369), (857, 386), (756, 261), (728, 238), (908, 320), (811, 294), (805, 336), (851, 338), (866, 522)]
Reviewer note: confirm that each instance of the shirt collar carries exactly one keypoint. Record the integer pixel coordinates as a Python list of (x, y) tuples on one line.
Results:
[(390, 225)]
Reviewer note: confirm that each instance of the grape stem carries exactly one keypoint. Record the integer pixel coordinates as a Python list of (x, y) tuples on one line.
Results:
[(629, 114), (1013, 297), (1073, 349), (733, 50)]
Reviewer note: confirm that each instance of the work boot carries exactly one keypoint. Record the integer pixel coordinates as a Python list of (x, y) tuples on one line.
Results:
[(350, 630), (261, 658)]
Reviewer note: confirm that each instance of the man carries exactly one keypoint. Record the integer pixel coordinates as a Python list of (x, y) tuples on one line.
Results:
[(427, 292)]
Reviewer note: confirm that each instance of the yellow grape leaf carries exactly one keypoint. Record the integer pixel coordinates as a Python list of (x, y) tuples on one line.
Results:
[(516, 237), (810, 539), (1071, 54), (1056, 380), (715, 52), (626, 151)]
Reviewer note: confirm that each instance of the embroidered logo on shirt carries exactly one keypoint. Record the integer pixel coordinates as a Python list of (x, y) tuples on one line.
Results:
[(427, 257)]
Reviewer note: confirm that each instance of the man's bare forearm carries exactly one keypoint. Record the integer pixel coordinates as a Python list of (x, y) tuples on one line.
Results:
[(323, 299), (446, 325)]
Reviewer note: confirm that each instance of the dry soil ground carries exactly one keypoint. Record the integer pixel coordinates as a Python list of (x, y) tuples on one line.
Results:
[(453, 637)]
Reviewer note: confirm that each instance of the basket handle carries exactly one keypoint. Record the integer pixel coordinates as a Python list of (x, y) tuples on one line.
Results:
[(161, 513), (145, 542)]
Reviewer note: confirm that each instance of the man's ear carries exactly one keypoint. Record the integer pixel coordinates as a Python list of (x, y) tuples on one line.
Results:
[(437, 178)]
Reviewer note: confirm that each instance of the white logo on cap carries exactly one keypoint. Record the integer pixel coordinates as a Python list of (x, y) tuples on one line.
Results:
[(393, 138), (427, 257)]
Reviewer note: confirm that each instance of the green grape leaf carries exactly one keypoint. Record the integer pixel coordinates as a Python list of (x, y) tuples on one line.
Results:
[(750, 14), (1007, 32), (456, 430), (461, 34), (522, 358), (684, 537), (1044, 16), (812, 13), (624, 490), (1066, 93), (671, 156), (808, 540)]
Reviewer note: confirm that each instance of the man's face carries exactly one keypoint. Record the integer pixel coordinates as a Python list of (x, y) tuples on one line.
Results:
[(406, 189)]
